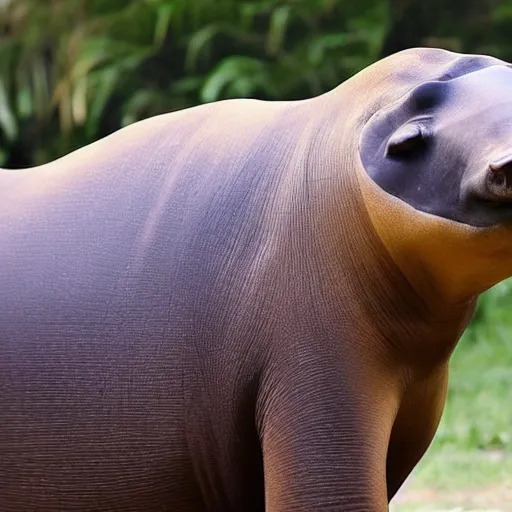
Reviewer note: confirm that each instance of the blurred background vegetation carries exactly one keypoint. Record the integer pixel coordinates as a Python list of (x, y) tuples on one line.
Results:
[(72, 71)]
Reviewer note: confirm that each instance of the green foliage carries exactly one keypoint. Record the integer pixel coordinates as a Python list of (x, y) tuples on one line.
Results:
[(74, 70), (481, 380), (492, 314)]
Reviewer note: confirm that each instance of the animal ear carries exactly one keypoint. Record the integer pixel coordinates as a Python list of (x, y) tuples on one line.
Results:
[(408, 138)]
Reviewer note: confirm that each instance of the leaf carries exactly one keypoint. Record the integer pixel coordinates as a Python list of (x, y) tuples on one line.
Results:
[(278, 24), (242, 87), (7, 118), (106, 81), (190, 84), (248, 10), (79, 101), (318, 48), (163, 19), (140, 101), (24, 102), (198, 43), (228, 71)]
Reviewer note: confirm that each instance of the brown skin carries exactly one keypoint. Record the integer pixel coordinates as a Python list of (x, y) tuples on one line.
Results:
[(219, 310)]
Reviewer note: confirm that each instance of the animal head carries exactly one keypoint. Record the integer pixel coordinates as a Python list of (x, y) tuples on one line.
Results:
[(445, 147), (436, 154)]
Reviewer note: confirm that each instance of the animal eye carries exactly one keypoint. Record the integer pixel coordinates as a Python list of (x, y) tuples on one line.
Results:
[(406, 140)]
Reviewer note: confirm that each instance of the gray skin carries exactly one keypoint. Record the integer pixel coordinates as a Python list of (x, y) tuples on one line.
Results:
[(234, 308), (423, 131)]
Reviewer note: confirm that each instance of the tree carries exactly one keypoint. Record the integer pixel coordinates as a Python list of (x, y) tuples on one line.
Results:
[(72, 71), (75, 70)]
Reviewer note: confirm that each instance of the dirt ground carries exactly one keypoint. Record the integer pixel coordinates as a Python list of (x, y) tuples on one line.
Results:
[(489, 499)]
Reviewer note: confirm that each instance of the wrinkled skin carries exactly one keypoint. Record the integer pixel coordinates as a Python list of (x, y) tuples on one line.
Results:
[(251, 306)]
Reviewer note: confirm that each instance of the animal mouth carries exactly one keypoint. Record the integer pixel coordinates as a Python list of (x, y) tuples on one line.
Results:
[(499, 178)]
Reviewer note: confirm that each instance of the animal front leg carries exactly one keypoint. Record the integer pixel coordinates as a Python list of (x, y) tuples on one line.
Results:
[(324, 448), (415, 425)]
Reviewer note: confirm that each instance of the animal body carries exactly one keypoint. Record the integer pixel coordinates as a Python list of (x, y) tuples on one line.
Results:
[(251, 306)]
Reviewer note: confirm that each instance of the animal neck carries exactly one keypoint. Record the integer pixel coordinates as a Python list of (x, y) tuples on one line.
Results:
[(447, 263), (362, 284), (402, 321), (362, 245)]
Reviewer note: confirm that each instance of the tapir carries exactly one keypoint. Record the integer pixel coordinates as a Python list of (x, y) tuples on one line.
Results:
[(250, 306)]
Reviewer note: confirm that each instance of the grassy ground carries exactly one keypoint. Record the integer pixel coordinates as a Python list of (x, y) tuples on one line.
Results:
[(469, 466)]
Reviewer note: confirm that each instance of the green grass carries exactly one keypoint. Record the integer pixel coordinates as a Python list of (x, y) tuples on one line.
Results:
[(470, 461)]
